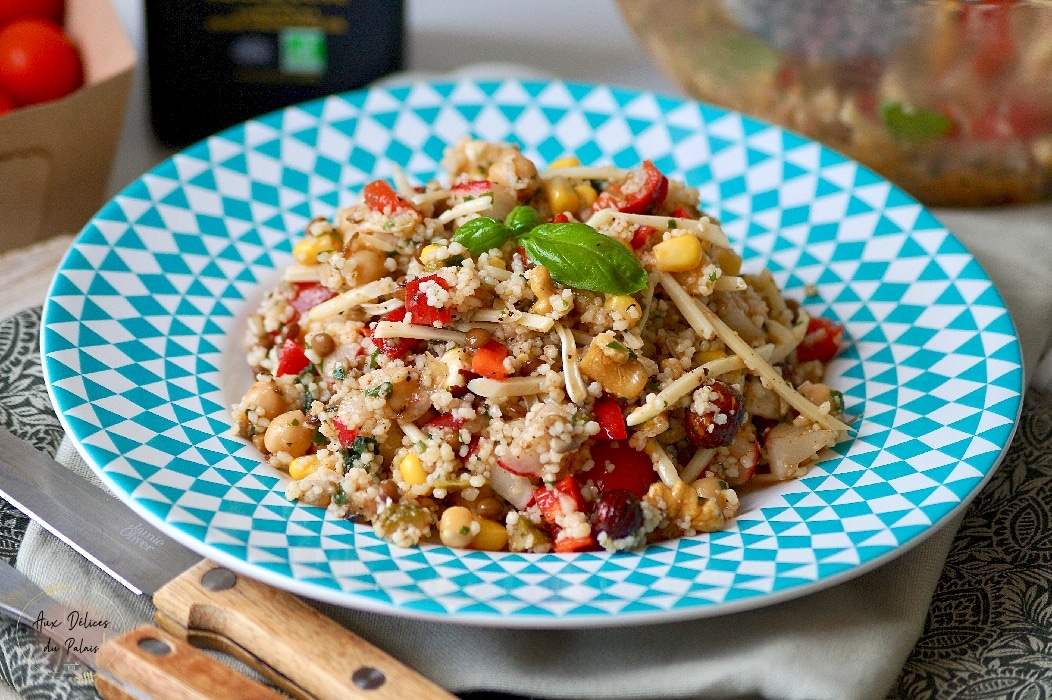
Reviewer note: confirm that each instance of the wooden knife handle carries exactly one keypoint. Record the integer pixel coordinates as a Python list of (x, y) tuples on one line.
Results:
[(302, 651), (148, 661)]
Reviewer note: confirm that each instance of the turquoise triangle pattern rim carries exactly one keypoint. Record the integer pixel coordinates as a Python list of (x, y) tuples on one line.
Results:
[(140, 345)]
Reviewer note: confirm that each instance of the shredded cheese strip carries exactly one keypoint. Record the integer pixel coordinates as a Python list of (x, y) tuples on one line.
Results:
[(379, 241), (663, 464), (303, 273), (351, 298), (383, 307), (413, 432), (730, 283), (397, 329), (697, 464), (648, 301), (704, 228), (515, 386), (687, 306), (497, 273), (752, 360), (419, 198), (402, 184), (472, 206), (534, 322), (576, 388), (678, 388), (585, 172), (788, 338)]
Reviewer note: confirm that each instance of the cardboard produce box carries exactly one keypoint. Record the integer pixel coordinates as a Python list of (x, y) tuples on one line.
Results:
[(56, 157)]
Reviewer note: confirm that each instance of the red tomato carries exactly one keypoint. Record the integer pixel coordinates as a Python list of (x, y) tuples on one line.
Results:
[(38, 62), (381, 197), (416, 303), (822, 341), (6, 103), (18, 9), (291, 359), (641, 236), (344, 434), (610, 419), (647, 191), (632, 470), (394, 347)]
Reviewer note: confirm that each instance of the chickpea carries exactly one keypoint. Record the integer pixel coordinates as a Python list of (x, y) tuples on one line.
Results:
[(367, 265), (266, 399), (457, 527), (323, 344), (289, 433)]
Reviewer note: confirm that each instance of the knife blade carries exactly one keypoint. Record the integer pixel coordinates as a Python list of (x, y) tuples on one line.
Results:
[(293, 645), (143, 661)]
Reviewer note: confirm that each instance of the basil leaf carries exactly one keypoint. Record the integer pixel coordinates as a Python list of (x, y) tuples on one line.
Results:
[(913, 124), (577, 255), (481, 234), (522, 219)]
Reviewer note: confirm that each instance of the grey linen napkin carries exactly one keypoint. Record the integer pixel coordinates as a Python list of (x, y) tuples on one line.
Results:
[(990, 620)]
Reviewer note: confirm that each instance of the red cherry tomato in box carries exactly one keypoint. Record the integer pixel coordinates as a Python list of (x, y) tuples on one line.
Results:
[(618, 466), (38, 62), (822, 341), (416, 303), (6, 103), (641, 197), (19, 9), (291, 359)]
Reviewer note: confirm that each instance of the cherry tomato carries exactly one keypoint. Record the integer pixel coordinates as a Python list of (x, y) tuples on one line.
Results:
[(19, 9), (611, 420), (417, 304), (6, 103), (822, 341), (646, 192), (618, 466), (381, 197), (38, 62)]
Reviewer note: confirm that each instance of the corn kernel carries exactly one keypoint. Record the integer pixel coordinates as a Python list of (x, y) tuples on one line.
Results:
[(703, 356), (492, 536), (429, 257), (678, 254), (561, 196), (586, 194), (309, 248), (303, 466), (412, 470), (729, 261), (565, 162), (620, 303)]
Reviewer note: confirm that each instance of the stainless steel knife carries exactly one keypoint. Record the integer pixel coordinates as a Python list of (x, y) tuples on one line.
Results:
[(300, 650), (142, 662)]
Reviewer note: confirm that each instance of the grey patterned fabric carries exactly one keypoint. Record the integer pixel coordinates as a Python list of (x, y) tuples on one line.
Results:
[(989, 628)]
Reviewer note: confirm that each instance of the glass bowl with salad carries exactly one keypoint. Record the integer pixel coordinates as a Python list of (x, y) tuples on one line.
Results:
[(949, 99)]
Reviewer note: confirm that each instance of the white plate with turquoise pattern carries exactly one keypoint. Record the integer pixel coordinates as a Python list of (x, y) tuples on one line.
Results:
[(142, 352)]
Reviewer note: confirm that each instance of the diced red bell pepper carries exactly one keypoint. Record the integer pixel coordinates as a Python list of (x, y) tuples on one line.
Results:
[(344, 434), (488, 361), (618, 466), (472, 188), (416, 303), (310, 294), (822, 341), (291, 359), (611, 420), (574, 544), (644, 199), (683, 213), (394, 347), (561, 218), (641, 236), (381, 197)]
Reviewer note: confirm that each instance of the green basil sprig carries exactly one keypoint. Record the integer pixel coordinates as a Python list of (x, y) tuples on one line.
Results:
[(575, 254), (482, 234)]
